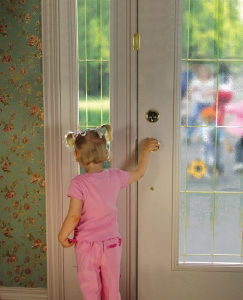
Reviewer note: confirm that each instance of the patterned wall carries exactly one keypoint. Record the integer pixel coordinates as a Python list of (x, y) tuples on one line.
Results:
[(22, 183)]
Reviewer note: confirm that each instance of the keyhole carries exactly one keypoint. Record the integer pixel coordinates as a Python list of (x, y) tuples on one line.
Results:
[(152, 116)]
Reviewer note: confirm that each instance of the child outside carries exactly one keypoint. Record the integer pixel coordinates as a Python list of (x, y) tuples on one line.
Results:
[(201, 94), (220, 104), (212, 138), (236, 128), (93, 212)]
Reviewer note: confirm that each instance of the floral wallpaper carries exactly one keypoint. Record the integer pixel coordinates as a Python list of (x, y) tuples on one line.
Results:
[(22, 183)]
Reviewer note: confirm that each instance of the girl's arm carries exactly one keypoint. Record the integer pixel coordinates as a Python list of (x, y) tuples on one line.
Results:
[(150, 145), (70, 222)]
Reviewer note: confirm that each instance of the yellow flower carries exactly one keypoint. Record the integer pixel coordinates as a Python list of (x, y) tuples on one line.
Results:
[(197, 169)]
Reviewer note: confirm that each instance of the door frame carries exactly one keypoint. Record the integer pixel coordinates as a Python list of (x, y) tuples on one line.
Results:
[(52, 145), (59, 84)]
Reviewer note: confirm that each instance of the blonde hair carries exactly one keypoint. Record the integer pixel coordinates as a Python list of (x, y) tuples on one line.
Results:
[(90, 144)]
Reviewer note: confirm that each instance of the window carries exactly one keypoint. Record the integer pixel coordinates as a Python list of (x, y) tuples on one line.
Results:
[(211, 132), (94, 62)]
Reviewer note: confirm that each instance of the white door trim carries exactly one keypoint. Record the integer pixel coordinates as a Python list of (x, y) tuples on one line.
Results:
[(52, 142)]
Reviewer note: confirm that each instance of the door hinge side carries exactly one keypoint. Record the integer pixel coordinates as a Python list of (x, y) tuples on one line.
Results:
[(136, 41)]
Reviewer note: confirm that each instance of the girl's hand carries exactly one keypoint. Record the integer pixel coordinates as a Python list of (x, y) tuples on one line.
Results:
[(151, 145), (70, 223), (67, 243)]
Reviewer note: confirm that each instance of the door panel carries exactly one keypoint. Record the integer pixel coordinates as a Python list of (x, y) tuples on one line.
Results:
[(160, 275)]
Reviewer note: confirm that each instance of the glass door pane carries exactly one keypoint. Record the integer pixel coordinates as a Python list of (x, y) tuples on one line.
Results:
[(94, 64), (211, 132)]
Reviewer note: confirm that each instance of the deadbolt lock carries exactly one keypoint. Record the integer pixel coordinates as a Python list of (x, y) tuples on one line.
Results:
[(152, 116)]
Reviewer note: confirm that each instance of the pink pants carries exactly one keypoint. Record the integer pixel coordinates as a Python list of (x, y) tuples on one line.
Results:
[(99, 269)]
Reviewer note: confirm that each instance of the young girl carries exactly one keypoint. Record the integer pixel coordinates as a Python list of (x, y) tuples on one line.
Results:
[(93, 212)]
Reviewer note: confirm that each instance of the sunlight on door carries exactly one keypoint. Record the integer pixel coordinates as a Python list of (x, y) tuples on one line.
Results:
[(211, 203)]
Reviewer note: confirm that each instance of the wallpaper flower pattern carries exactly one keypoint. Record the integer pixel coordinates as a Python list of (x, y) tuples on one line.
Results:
[(22, 183)]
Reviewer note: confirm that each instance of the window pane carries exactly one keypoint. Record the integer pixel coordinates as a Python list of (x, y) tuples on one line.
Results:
[(183, 161), (94, 66), (199, 220), (211, 132), (185, 26), (230, 37), (182, 225), (105, 104), (203, 30), (228, 224), (82, 96), (93, 29), (105, 29), (81, 28)]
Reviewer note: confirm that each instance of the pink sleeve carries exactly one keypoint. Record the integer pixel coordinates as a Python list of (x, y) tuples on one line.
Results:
[(75, 190), (234, 109), (124, 177)]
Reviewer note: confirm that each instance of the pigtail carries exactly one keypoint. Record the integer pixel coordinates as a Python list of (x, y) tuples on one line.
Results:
[(108, 131), (70, 139)]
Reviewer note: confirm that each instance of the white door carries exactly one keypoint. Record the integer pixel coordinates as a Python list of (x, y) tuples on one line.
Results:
[(92, 84), (177, 211)]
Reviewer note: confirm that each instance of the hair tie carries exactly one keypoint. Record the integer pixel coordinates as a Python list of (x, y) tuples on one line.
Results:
[(100, 132), (82, 133)]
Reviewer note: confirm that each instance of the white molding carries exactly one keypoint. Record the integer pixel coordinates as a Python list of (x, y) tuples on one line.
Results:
[(176, 140), (52, 140), (22, 293), (70, 118)]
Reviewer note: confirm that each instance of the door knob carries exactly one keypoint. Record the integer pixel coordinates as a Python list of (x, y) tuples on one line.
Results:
[(152, 116)]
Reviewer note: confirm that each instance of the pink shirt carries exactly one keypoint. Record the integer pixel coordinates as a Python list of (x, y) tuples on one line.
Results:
[(98, 191), (237, 110)]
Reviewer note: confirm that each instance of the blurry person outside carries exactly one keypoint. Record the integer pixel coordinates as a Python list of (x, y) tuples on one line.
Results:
[(212, 139), (187, 75), (201, 95), (223, 99), (236, 129)]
